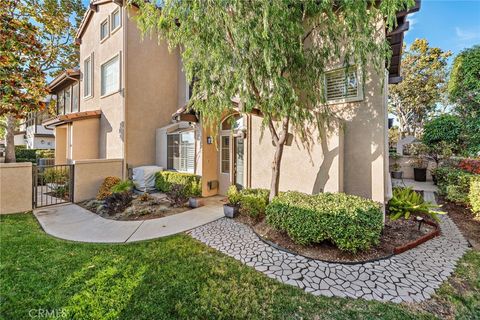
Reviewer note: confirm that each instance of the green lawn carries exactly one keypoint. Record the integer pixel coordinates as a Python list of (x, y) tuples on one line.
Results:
[(174, 277)]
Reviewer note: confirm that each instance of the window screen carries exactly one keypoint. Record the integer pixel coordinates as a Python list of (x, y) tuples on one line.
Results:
[(181, 151), (341, 84)]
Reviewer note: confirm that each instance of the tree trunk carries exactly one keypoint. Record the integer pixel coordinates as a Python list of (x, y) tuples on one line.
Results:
[(277, 160), (10, 139), (279, 141)]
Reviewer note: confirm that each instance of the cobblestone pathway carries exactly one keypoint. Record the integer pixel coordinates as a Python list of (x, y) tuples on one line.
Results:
[(411, 276)]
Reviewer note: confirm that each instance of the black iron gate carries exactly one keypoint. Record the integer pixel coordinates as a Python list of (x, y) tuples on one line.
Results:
[(52, 184)]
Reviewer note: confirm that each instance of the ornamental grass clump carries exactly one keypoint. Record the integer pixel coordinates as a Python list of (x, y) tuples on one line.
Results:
[(351, 223)]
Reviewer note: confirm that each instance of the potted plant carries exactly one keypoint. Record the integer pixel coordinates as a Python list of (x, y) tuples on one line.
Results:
[(420, 169), (396, 173), (420, 161), (231, 208), (195, 199)]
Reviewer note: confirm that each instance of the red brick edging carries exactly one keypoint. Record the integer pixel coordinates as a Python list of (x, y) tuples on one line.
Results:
[(419, 241)]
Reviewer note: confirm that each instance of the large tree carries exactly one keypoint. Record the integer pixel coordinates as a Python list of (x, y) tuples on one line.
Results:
[(464, 93), (22, 82), (37, 40), (424, 75), (272, 55)]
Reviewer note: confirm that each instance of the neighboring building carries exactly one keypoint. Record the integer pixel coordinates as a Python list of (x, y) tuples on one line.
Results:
[(32, 134), (130, 90)]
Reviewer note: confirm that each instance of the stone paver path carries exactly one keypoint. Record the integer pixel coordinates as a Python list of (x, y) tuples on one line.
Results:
[(411, 276)]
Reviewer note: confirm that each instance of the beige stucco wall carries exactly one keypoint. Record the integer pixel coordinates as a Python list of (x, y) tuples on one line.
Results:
[(313, 170), (111, 131), (151, 95), (85, 144), (209, 164), (89, 175), (15, 187), (365, 141), (61, 144)]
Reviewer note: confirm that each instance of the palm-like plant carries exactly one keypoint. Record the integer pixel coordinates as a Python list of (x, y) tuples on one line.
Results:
[(406, 202)]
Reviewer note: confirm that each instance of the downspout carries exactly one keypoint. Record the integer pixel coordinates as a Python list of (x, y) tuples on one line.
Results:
[(124, 91)]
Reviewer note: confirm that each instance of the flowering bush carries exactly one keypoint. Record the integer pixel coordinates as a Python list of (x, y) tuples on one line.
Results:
[(470, 165)]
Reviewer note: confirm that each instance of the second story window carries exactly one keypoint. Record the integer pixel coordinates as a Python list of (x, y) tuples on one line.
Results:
[(87, 77), (61, 102), (110, 76), (116, 19), (104, 30), (75, 101)]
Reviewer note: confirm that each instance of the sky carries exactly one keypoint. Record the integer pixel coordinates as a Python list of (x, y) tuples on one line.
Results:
[(448, 24)]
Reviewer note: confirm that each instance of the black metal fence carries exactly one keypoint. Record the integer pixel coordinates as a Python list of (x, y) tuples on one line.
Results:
[(52, 184)]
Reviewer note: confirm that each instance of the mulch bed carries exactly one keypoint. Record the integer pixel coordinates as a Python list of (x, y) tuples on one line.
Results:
[(395, 234), (465, 221), (153, 208)]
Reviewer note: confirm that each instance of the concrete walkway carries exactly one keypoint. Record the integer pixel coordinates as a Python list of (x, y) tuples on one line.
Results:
[(72, 222)]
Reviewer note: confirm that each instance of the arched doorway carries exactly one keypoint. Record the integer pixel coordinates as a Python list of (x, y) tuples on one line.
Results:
[(232, 162)]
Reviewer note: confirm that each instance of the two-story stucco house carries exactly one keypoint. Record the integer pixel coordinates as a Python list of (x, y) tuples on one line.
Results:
[(132, 94), (127, 87)]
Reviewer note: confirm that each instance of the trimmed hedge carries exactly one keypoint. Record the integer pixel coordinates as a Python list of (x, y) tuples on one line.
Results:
[(191, 182), (253, 202), (27, 155), (352, 223)]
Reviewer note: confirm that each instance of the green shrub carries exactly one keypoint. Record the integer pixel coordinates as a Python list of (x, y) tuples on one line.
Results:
[(454, 183), (106, 186), (474, 195), (26, 160), (406, 202), (256, 192), (122, 186), (191, 182), (21, 152), (253, 202), (233, 196), (352, 223), (56, 175), (253, 205), (45, 153)]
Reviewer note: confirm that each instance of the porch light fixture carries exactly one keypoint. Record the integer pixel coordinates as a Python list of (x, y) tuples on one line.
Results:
[(209, 140)]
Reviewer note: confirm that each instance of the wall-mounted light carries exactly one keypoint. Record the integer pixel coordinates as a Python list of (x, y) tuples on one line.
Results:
[(209, 140)]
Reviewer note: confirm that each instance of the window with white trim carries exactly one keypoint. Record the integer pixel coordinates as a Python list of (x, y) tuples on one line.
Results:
[(87, 77), (104, 29), (181, 151), (116, 20), (342, 85), (110, 76), (225, 154)]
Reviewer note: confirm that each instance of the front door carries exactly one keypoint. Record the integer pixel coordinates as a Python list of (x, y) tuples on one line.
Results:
[(231, 154)]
